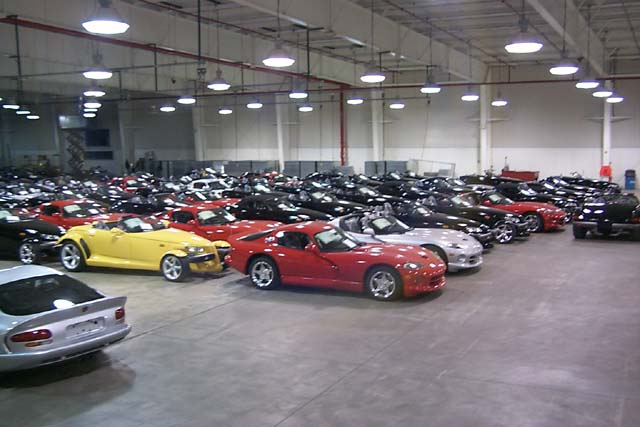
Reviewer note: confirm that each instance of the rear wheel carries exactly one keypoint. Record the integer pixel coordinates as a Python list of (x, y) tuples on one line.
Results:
[(264, 273), (28, 253), (174, 269), (534, 221), (505, 232), (383, 283), (71, 257), (579, 232)]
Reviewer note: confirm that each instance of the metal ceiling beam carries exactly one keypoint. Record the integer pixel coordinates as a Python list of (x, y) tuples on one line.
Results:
[(576, 32), (351, 22)]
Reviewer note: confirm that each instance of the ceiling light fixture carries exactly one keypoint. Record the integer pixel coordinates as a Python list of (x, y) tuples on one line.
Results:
[(430, 87), (278, 57), (167, 108), (23, 112), (11, 105), (602, 93), (499, 102), (355, 100), (89, 115), (305, 108), (298, 94), (105, 20), (397, 105), (98, 71), (33, 117), (470, 96), (523, 42), (92, 103), (186, 100), (615, 99), (254, 104), (566, 66), (587, 83), (225, 111), (372, 74), (94, 93), (219, 83), (90, 110)]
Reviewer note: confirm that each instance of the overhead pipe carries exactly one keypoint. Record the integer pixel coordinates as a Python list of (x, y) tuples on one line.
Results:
[(154, 48)]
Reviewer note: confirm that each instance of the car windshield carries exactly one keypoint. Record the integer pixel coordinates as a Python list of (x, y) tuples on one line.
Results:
[(499, 199), (80, 210), (526, 190), (44, 293), (423, 211), (319, 196), (139, 225), (203, 197), (460, 202), (132, 183), (395, 176), (335, 240), (367, 191), (455, 181), (388, 225), (215, 217), (7, 215)]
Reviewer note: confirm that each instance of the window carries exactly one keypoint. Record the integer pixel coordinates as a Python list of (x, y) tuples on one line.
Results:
[(44, 293), (50, 210), (293, 240), (335, 240), (182, 217)]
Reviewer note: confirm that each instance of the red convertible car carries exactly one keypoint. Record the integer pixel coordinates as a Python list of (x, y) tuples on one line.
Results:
[(70, 213), (539, 216), (318, 254), (213, 223)]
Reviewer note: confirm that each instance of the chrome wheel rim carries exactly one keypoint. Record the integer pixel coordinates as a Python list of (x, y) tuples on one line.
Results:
[(70, 256), (533, 222), (382, 284), (504, 233), (26, 253), (262, 274), (171, 267)]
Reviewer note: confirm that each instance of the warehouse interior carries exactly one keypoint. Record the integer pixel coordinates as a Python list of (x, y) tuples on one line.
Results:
[(545, 333)]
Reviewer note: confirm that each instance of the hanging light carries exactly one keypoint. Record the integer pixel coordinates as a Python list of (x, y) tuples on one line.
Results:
[(615, 99), (11, 105), (523, 42), (298, 94), (92, 103), (94, 93), (564, 68), (254, 104), (167, 108), (602, 93), (219, 83), (355, 100), (105, 20), (0, 98), (278, 57), (396, 105), (186, 100), (98, 71), (499, 102), (430, 88), (89, 115), (33, 117), (90, 110), (225, 111), (305, 108), (470, 95), (23, 112), (372, 75), (587, 83)]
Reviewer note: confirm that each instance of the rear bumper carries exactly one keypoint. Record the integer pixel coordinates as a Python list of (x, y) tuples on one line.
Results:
[(18, 361)]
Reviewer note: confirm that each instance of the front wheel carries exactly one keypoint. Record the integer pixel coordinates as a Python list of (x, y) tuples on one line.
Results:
[(383, 283), (535, 223), (505, 232), (71, 257), (264, 273), (440, 254), (579, 232), (174, 269), (28, 253)]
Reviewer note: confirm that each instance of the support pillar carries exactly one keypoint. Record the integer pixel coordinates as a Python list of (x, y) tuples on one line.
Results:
[(377, 125), (606, 133), (484, 154), (199, 142), (282, 119)]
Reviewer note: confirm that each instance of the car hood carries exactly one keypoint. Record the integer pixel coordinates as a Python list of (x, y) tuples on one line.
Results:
[(436, 236), (399, 254), (530, 205), (35, 225)]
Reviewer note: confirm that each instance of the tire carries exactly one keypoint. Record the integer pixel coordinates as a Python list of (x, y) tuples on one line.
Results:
[(383, 283), (264, 273), (534, 221), (440, 254), (579, 232), (505, 232), (29, 254), (71, 257), (174, 269)]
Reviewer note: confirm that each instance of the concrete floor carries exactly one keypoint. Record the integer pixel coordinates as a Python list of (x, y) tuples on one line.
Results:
[(547, 333)]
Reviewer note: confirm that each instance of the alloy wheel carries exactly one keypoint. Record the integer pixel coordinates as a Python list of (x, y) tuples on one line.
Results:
[(172, 267), (262, 274), (533, 222), (382, 284), (27, 253), (504, 233), (70, 256)]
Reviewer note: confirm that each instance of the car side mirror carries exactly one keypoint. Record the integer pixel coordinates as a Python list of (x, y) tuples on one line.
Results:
[(311, 248), (116, 231), (192, 222), (56, 215)]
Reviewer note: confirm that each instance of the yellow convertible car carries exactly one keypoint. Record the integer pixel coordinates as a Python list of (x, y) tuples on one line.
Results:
[(141, 244)]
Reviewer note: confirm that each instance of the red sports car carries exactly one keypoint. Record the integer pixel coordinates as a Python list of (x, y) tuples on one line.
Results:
[(70, 213), (539, 216), (206, 199), (130, 184), (213, 223), (318, 254)]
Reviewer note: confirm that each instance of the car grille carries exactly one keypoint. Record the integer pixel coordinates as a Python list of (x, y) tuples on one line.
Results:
[(474, 259), (223, 252), (436, 280)]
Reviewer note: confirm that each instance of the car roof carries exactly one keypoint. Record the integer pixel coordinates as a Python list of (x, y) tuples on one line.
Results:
[(67, 202), (25, 271), (311, 227)]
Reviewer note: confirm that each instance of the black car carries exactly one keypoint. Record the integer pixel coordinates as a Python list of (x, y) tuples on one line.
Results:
[(275, 208), (610, 214), (323, 201), (407, 190), (153, 204), (246, 190), (364, 180), (366, 195), (450, 186), (505, 225), (423, 217), (26, 237), (560, 182), (547, 187), (109, 195), (598, 184), (521, 192)]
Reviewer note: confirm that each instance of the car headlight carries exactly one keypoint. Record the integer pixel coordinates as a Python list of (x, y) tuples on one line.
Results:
[(49, 236), (474, 230), (454, 246), (194, 249), (413, 265)]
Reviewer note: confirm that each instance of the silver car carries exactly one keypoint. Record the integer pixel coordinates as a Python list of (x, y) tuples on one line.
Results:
[(47, 317), (458, 250)]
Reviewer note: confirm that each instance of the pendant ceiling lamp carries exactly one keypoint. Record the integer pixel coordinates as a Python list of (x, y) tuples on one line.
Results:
[(397, 105), (524, 42), (105, 20), (588, 81), (615, 99), (94, 92), (430, 87), (33, 117), (278, 57), (11, 105), (602, 93), (565, 67), (219, 84), (23, 112), (372, 74), (187, 100), (470, 95), (224, 111), (254, 104), (98, 71), (355, 100), (305, 108)]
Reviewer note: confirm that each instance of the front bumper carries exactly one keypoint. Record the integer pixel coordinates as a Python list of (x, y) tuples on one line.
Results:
[(522, 229), (555, 220), (463, 261), (606, 226), (18, 361), (418, 282), (485, 239), (205, 263)]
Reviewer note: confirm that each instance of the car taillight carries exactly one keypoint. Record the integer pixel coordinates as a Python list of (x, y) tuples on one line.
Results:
[(636, 219), (40, 334), (120, 313)]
